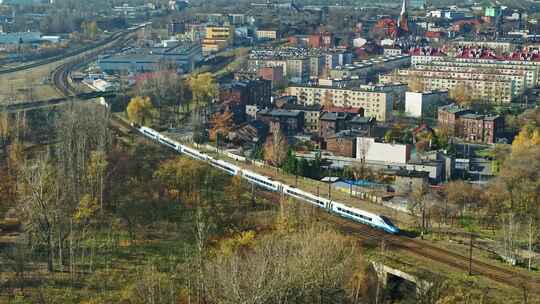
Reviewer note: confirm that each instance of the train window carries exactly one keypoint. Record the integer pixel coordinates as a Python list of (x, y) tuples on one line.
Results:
[(355, 214), (260, 181), (387, 221), (224, 167), (305, 197)]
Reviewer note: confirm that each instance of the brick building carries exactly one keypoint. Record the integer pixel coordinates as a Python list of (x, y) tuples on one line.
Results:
[(245, 92), (331, 123), (273, 74), (481, 128), (465, 124), (312, 115), (290, 122), (343, 143)]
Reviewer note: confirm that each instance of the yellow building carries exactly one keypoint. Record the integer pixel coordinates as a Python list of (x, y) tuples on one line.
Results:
[(376, 101), (217, 38)]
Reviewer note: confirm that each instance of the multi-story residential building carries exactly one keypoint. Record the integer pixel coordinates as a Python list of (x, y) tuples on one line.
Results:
[(479, 88), (257, 92), (531, 72), (312, 115), (481, 128), (266, 34), (331, 123), (515, 78), (362, 68), (424, 104), (465, 124), (479, 62), (290, 122), (375, 100), (217, 38), (274, 74), (502, 46), (337, 57), (316, 65), (299, 64), (297, 69)]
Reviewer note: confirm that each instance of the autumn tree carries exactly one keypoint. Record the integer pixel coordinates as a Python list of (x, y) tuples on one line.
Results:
[(415, 84), (140, 110), (40, 207), (221, 125), (235, 189), (204, 90), (528, 137), (165, 88), (309, 266), (462, 94), (89, 29), (5, 128), (327, 100), (183, 178), (276, 147)]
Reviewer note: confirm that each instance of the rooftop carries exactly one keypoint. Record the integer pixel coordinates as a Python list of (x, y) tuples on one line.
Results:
[(301, 107), (278, 112), (334, 116)]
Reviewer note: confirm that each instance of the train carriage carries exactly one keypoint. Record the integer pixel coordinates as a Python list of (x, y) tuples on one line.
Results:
[(339, 209)]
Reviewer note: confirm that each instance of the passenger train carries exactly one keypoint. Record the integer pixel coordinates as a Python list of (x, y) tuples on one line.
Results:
[(354, 214)]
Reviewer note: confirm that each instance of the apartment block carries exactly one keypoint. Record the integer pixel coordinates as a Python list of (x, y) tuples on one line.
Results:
[(480, 63), (375, 100), (489, 90), (266, 34), (217, 38)]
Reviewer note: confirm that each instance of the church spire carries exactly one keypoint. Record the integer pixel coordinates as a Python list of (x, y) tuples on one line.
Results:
[(404, 18)]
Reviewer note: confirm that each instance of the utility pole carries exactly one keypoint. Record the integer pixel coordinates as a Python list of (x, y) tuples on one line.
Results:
[(253, 195), (470, 253), (329, 184), (295, 173)]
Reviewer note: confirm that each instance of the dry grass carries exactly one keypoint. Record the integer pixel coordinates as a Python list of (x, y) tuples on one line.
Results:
[(32, 84)]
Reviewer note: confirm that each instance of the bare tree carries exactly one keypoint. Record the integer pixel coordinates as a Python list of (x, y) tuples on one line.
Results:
[(39, 198)]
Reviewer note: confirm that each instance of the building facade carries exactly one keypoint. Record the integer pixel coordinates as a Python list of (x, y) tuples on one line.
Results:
[(374, 100), (217, 38), (469, 126)]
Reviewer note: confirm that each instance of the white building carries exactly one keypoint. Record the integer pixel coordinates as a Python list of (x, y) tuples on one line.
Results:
[(424, 103), (371, 151)]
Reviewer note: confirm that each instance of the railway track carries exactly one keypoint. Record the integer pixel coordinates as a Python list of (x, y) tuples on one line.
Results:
[(60, 76), (424, 249), (65, 55)]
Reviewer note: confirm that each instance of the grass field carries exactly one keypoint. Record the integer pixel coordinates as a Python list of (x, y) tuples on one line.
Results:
[(32, 84)]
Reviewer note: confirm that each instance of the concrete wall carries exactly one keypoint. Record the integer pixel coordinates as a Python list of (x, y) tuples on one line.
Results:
[(420, 104), (382, 152)]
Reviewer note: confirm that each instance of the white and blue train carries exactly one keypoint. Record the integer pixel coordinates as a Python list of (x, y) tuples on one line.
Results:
[(354, 214)]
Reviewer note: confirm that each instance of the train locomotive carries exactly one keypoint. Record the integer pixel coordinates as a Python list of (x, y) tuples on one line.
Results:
[(339, 209)]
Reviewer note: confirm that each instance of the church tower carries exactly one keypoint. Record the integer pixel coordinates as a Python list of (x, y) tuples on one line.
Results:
[(403, 23)]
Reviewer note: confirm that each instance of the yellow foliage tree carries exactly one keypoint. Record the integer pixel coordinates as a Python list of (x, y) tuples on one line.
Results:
[(528, 137), (140, 110), (416, 84), (327, 99), (86, 209), (243, 240), (89, 29), (203, 87), (462, 94)]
